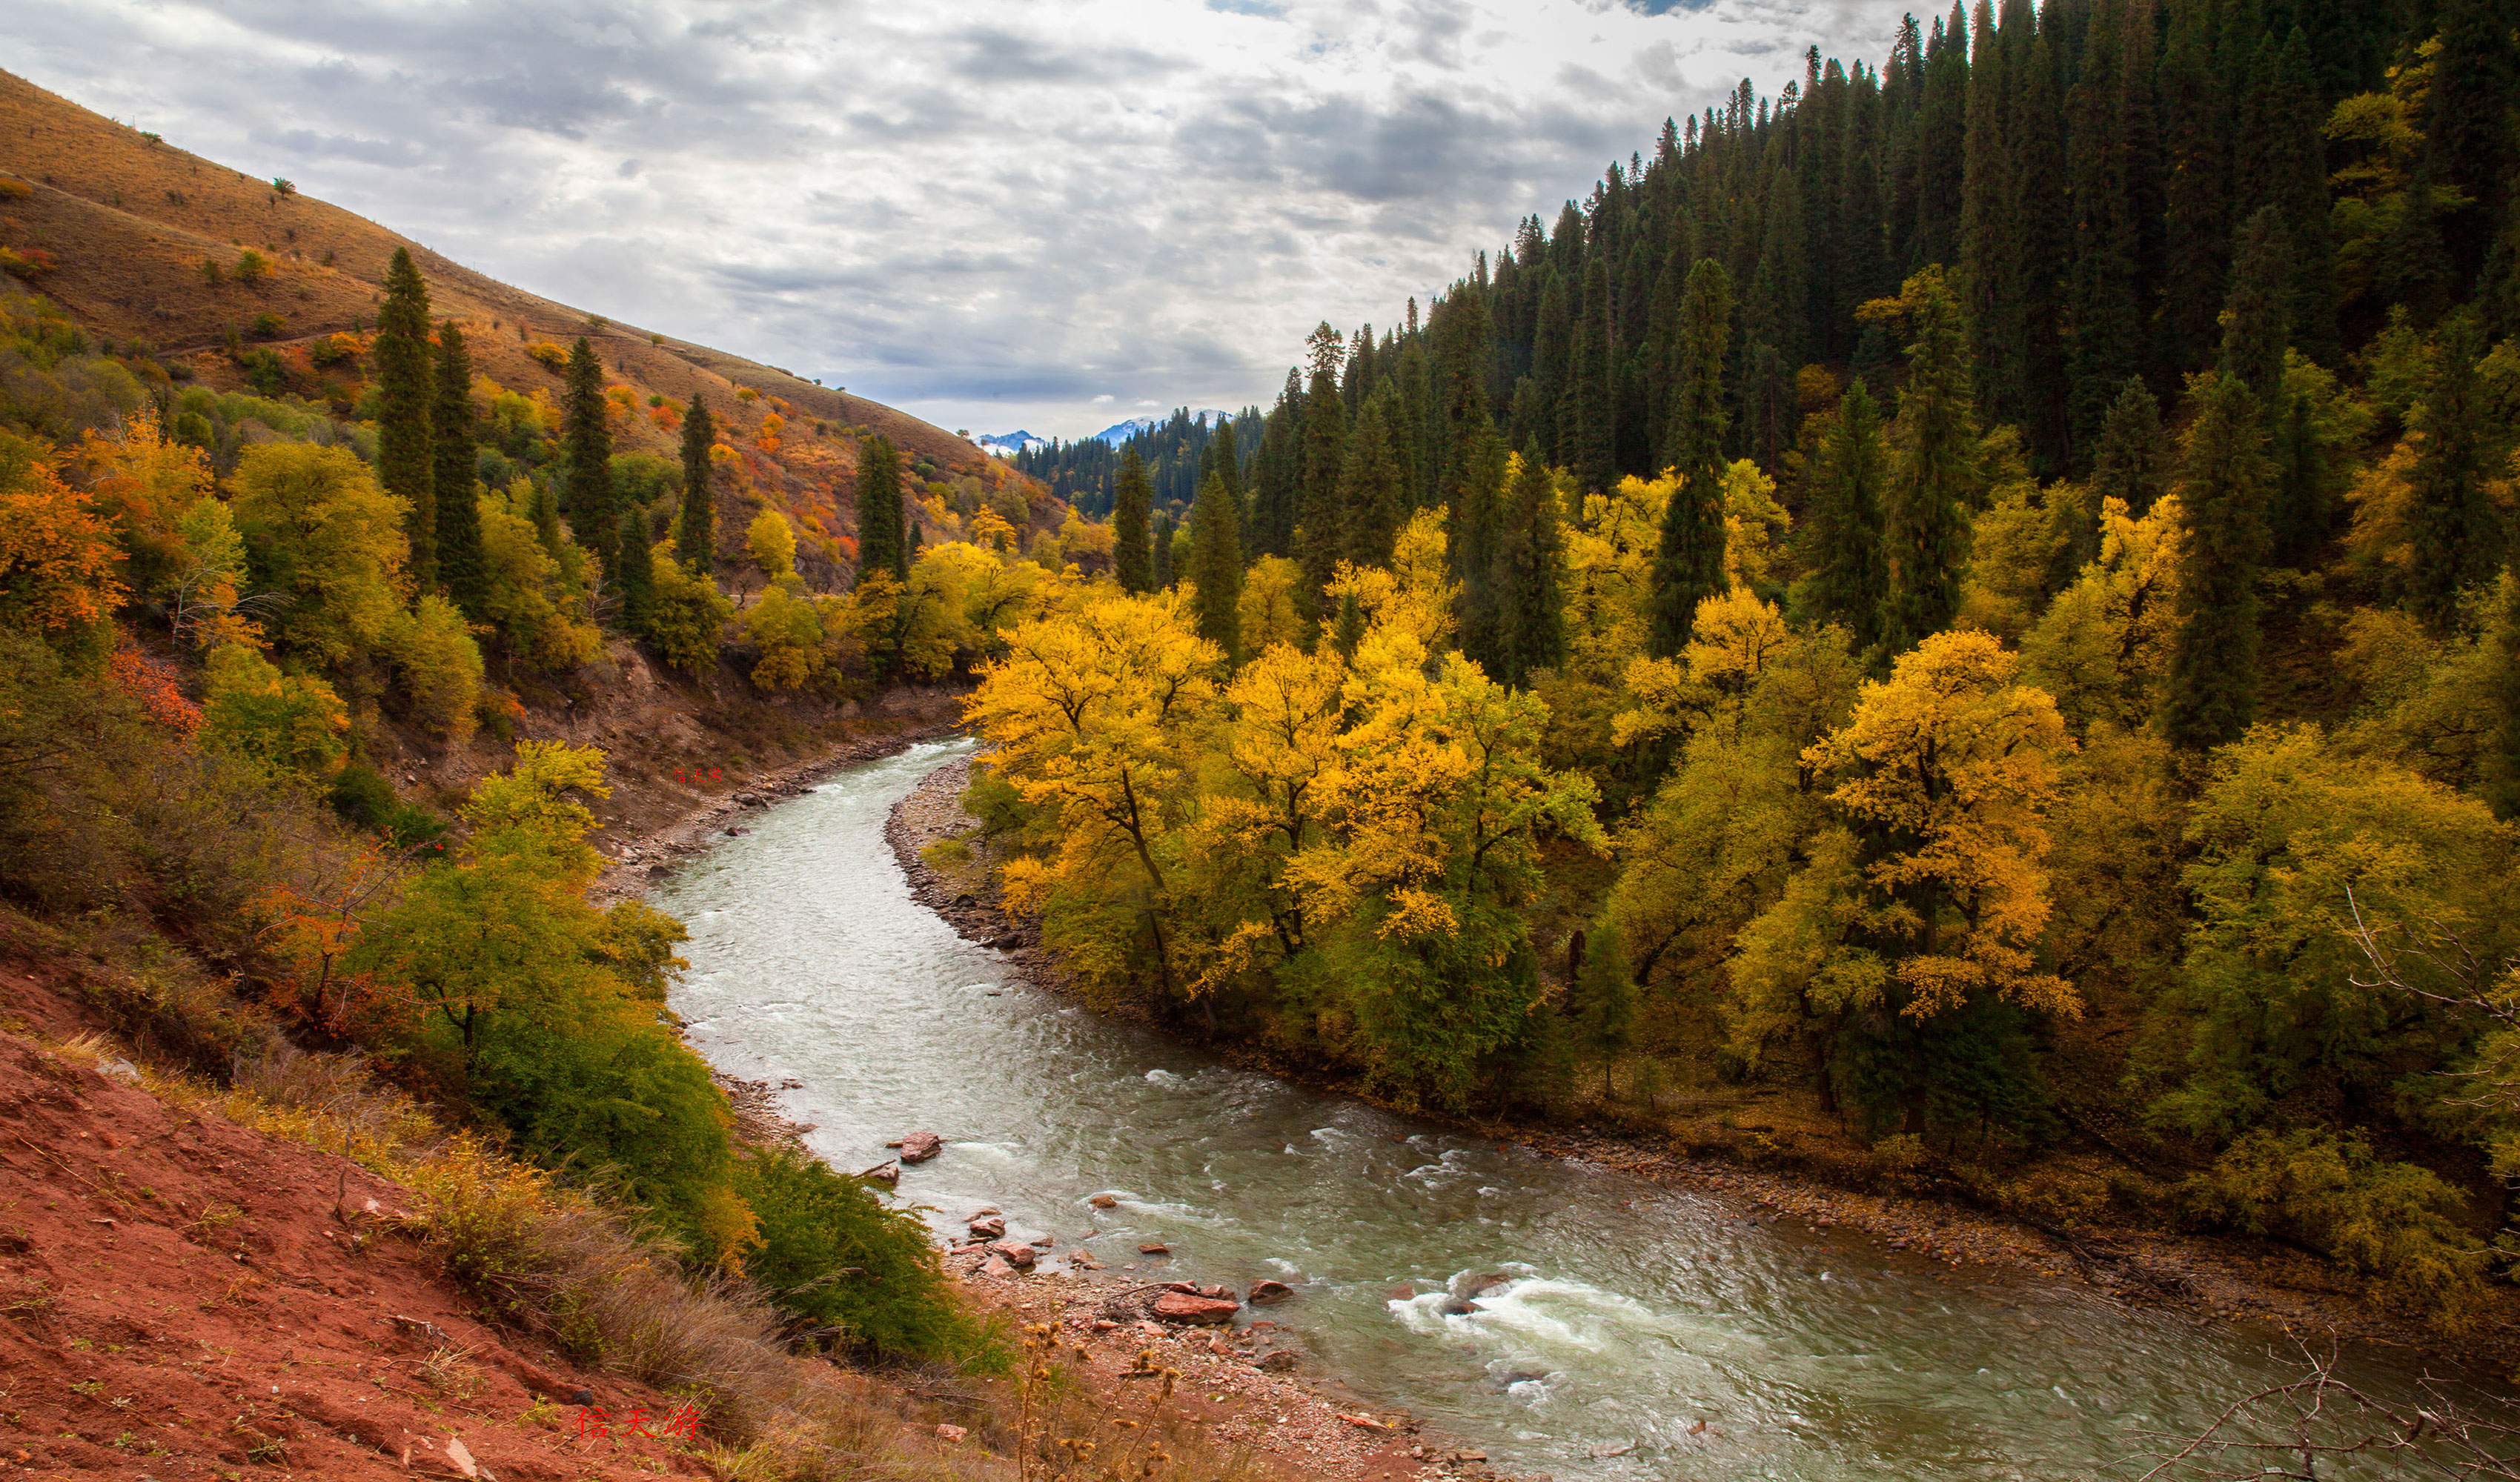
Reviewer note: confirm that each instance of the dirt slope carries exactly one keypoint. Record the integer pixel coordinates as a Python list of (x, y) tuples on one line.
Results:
[(182, 1297), (131, 221)]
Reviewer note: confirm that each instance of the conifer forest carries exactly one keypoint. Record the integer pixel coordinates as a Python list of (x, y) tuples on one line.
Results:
[(1965, 597)]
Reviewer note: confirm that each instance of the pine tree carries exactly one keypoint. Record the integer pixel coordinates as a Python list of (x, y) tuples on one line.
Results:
[(2035, 357), (591, 516), (695, 540), (1319, 526), (1942, 147), (1131, 563), (2254, 330), (2212, 694), (457, 529), (1216, 565), (1842, 500), (1371, 495), (545, 516), (1223, 457), (1165, 576), (883, 521), (2303, 492), (1587, 435), (638, 571), (2458, 536), (1985, 196), (1934, 474), (2295, 163), (1689, 565), (2103, 289), (1476, 531), (406, 463), (2131, 460), (1552, 353), (1277, 473), (1530, 576), (2469, 133), (2196, 222)]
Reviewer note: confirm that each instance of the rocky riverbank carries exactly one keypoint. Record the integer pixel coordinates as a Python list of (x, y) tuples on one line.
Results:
[(2254, 1285), (714, 803)]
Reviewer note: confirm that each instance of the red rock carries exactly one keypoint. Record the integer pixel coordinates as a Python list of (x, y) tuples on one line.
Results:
[(1270, 1291), (1014, 1253), (951, 1434), (1154, 1248), (1104, 1201), (919, 1146), (1176, 1307), (987, 1227)]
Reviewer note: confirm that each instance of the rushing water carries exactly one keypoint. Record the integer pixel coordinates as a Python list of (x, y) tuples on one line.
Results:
[(1635, 1312)]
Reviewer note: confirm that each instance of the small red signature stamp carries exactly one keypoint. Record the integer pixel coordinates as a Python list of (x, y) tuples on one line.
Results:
[(700, 774), (681, 1424)]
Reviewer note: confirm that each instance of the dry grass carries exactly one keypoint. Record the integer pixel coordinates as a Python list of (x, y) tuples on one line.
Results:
[(560, 1263)]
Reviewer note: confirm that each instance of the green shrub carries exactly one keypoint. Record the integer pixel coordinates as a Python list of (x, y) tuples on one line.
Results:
[(830, 1254), (366, 801), (2392, 1223)]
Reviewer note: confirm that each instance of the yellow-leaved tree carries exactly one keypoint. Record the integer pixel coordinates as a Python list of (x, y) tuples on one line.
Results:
[(1092, 718), (1906, 954)]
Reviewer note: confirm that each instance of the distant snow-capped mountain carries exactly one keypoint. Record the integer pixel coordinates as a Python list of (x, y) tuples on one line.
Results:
[(1009, 445), (1121, 431)]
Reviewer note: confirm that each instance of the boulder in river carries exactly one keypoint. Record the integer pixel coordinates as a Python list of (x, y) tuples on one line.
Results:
[(1014, 1253), (1182, 1306), (1154, 1248), (987, 1227), (1104, 1201), (1457, 1307), (1479, 1287), (919, 1146), (1264, 1292)]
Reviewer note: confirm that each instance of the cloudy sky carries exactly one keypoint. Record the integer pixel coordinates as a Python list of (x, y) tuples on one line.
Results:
[(993, 213)]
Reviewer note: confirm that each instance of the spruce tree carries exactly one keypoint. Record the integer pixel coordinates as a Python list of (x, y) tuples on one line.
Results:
[(2303, 493), (2254, 330), (638, 571), (1986, 199), (1319, 521), (2469, 125), (1372, 494), (1588, 437), (1277, 473), (1223, 457), (2103, 289), (545, 508), (1216, 565), (2035, 357), (1530, 575), (588, 443), (1934, 474), (695, 540), (1690, 567), (2196, 221), (2458, 536), (2223, 479), (1843, 493), (1131, 563), (406, 461), (2295, 164), (883, 535), (2133, 459), (1476, 531), (458, 530)]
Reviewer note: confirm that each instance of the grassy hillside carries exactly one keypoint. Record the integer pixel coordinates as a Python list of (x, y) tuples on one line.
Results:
[(128, 221)]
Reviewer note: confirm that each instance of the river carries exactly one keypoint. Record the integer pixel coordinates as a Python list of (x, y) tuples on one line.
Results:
[(1635, 1312)]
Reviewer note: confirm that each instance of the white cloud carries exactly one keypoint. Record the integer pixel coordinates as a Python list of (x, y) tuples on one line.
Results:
[(975, 212)]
